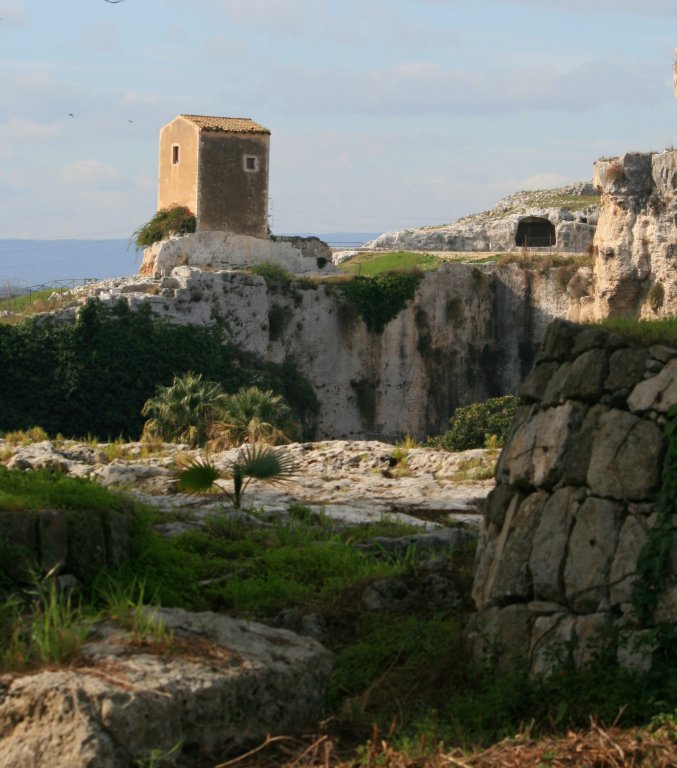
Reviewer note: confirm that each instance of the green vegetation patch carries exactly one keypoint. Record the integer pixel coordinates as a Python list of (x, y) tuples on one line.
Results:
[(177, 220), (31, 303), (44, 489), (381, 298), (408, 667), (644, 332), (272, 272), (370, 264), (473, 426), (92, 377)]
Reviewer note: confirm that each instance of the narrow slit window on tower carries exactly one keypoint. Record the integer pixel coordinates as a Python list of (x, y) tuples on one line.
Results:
[(175, 154), (251, 163)]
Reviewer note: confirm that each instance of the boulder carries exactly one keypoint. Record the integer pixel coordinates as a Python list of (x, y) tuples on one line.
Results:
[(215, 685)]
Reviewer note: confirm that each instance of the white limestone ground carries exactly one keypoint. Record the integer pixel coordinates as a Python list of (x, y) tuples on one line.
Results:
[(351, 482)]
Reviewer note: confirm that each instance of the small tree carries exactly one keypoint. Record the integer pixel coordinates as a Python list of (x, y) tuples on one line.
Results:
[(183, 411), (254, 462)]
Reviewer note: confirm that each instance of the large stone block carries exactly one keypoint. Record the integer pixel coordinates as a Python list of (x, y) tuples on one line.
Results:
[(626, 368), (551, 641), (577, 458), (534, 454), (666, 609), (534, 386), (615, 468), (593, 636), (623, 576), (509, 579), (582, 379), (558, 341), (657, 393), (501, 636), (226, 683), (18, 537), (549, 548), (592, 546), (86, 544)]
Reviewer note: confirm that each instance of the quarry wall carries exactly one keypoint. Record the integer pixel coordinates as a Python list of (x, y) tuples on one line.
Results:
[(467, 334)]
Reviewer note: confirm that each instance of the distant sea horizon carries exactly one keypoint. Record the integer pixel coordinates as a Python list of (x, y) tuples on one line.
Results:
[(27, 263)]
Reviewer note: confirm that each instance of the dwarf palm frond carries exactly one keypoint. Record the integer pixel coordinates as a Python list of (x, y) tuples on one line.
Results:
[(254, 462)]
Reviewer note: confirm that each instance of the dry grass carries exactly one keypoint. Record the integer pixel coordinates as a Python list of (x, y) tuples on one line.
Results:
[(592, 748)]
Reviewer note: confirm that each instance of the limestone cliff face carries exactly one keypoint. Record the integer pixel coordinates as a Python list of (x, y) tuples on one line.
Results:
[(636, 237), (469, 333)]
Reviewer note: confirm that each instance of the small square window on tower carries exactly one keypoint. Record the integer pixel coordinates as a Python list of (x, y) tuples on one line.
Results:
[(175, 154), (251, 163)]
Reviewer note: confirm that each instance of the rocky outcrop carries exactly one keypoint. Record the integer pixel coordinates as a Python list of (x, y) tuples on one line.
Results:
[(577, 481), (571, 211), (349, 482), (226, 250), (210, 684), (635, 269)]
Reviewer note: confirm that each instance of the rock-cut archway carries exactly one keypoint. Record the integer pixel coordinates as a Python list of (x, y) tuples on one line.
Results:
[(535, 232)]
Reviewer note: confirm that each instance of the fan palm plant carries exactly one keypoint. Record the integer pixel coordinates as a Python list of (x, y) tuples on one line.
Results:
[(254, 462), (184, 410), (252, 415)]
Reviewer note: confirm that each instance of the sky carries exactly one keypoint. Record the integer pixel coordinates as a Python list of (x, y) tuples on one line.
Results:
[(384, 114)]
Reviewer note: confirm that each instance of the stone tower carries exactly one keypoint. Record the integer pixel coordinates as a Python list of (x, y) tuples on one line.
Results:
[(218, 168)]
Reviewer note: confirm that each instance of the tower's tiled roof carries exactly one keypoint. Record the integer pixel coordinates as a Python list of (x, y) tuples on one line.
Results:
[(229, 124)]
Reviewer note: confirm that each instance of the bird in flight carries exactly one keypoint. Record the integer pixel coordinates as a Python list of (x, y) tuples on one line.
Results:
[(70, 114)]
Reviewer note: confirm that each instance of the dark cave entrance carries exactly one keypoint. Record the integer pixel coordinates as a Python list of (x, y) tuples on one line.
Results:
[(535, 232)]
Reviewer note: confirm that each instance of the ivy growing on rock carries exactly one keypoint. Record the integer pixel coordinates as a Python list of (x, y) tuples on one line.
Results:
[(381, 298), (654, 559), (93, 376)]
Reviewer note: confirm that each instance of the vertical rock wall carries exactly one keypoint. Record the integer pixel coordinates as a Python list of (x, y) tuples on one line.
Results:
[(469, 333), (575, 502), (636, 238)]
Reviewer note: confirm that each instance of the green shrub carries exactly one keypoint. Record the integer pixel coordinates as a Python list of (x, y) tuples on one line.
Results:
[(184, 411), (471, 425), (167, 222), (272, 272)]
